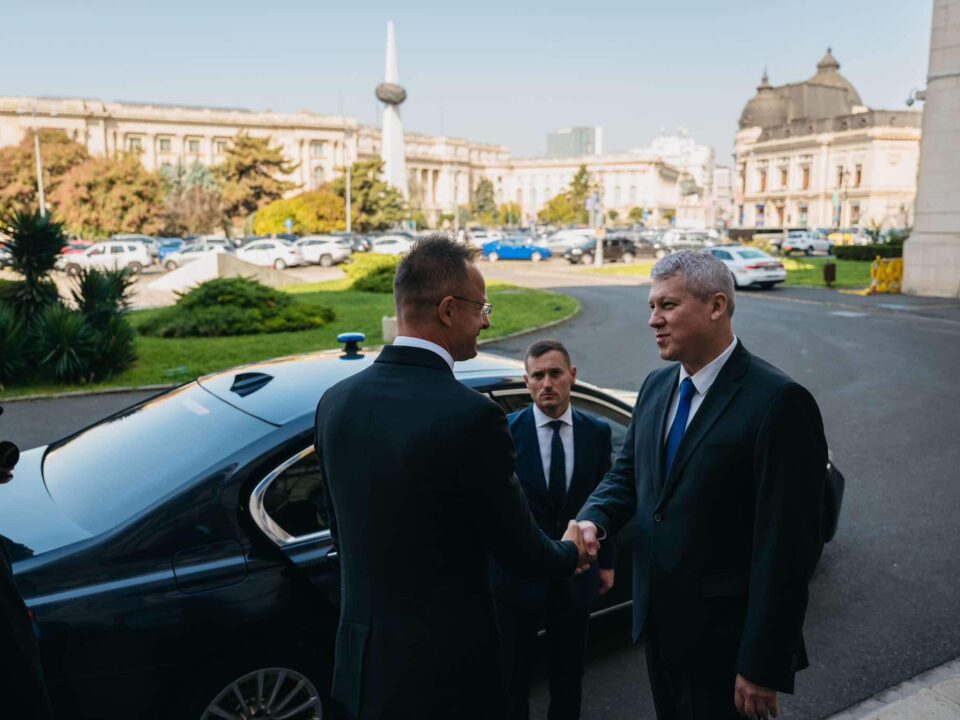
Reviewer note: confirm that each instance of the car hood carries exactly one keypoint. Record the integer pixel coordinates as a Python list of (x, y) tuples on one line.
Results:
[(29, 518)]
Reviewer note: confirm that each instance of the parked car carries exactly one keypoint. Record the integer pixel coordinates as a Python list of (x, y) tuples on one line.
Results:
[(75, 246), (481, 236), (391, 245), (109, 254), (168, 246), (355, 241), (151, 242), (188, 253), (278, 254), (562, 240), (750, 267), (615, 248), (325, 250), (515, 248), (805, 242)]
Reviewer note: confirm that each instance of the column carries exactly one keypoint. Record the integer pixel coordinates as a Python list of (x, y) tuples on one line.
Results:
[(931, 256)]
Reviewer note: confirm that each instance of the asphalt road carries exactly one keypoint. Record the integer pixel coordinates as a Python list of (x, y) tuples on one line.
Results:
[(885, 601)]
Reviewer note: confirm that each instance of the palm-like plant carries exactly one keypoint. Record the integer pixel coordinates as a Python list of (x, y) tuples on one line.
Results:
[(103, 294), (13, 346), (34, 245), (64, 344)]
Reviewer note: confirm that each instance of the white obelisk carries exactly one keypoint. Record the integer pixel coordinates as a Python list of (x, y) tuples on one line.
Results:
[(391, 94)]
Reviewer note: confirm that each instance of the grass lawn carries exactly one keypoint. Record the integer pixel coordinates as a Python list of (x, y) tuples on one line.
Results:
[(638, 267), (169, 361), (808, 272)]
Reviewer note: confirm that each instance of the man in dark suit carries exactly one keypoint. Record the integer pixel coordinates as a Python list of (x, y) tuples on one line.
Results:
[(419, 476), (562, 454), (723, 466)]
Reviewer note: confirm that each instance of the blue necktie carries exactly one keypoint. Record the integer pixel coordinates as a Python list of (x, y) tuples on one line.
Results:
[(557, 483), (687, 391)]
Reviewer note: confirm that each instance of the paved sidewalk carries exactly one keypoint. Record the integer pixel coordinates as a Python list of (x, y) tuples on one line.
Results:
[(934, 695)]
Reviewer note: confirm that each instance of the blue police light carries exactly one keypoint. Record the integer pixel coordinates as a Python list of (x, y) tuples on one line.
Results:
[(351, 344)]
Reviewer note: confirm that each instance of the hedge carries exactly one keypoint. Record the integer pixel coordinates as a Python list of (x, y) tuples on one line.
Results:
[(867, 252)]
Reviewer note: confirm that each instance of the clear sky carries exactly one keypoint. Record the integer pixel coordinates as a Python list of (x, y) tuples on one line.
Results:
[(488, 70)]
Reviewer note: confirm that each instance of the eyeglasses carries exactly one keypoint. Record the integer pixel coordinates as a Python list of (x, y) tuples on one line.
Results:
[(486, 309)]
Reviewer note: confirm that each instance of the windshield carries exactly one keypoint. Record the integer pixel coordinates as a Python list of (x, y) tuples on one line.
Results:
[(751, 254), (124, 464)]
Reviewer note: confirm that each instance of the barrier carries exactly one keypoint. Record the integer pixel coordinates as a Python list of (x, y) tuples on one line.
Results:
[(886, 276)]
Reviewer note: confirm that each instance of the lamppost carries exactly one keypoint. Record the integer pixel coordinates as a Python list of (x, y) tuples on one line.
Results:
[(36, 150), (348, 161)]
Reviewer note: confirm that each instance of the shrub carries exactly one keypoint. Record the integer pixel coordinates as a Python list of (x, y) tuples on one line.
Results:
[(102, 295), (371, 272), (115, 348), (13, 346), (378, 280), (867, 252), (233, 292), (64, 344), (34, 245)]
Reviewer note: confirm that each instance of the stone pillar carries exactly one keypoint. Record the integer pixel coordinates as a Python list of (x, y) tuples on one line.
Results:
[(931, 256)]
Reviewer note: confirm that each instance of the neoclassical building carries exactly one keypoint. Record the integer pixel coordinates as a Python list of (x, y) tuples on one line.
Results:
[(811, 154), (443, 172)]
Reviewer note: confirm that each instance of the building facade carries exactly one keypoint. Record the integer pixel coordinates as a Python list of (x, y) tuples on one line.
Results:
[(812, 155)]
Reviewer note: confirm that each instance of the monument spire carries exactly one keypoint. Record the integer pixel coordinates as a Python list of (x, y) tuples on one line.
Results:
[(392, 95)]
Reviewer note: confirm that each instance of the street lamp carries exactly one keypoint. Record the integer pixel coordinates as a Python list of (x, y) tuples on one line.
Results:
[(36, 150)]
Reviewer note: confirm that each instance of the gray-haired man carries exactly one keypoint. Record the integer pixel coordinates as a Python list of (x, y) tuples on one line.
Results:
[(723, 466)]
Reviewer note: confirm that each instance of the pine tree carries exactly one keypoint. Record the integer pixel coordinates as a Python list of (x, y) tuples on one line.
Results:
[(374, 204), (248, 176)]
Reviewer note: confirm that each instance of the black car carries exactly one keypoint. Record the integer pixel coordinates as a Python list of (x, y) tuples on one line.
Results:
[(358, 242), (176, 558), (616, 248)]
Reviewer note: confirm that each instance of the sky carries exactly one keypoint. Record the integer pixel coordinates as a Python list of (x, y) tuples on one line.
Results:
[(489, 70)]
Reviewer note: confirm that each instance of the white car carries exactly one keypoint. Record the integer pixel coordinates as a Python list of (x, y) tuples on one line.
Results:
[(564, 240), (806, 242), (108, 255), (278, 254), (391, 245), (190, 252), (750, 267), (325, 250)]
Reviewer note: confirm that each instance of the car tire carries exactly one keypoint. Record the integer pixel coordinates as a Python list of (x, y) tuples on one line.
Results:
[(586, 259), (326, 261), (535, 256), (72, 270), (135, 268), (736, 285), (626, 258), (279, 264), (171, 265), (493, 257)]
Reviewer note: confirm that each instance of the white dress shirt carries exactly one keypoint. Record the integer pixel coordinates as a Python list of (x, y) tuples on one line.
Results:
[(545, 436), (702, 381), (407, 341)]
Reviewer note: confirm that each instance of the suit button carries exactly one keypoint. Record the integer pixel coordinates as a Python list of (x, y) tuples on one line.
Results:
[(656, 517)]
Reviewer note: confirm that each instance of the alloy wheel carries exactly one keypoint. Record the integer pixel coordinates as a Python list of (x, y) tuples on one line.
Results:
[(267, 694)]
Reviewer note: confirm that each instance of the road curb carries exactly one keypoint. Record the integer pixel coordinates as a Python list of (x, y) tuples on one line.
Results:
[(911, 698)]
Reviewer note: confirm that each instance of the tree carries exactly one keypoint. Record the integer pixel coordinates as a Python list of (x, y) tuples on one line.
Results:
[(613, 215), (510, 213), (34, 245), (636, 214), (318, 211), (484, 206), (107, 195), (248, 175), (569, 208), (194, 204), (18, 168), (580, 186), (420, 220), (374, 204)]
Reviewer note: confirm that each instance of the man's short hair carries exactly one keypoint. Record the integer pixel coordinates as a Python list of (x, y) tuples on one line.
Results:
[(542, 347), (435, 267), (703, 274)]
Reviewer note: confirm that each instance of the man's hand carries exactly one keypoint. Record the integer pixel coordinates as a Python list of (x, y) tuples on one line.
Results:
[(754, 701), (589, 531), (606, 580), (574, 535)]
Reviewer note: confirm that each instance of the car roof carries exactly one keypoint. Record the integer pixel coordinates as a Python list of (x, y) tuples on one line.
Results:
[(297, 382)]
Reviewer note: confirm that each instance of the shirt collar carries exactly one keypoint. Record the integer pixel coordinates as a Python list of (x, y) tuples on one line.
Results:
[(541, 418), (407, 341), (704, 378)]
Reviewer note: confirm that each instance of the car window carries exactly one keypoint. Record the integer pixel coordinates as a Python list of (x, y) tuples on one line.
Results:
[(116, 249), (132, 248), (126, 463), (99, 250), (294, 500), (722, 255), (751, 254)]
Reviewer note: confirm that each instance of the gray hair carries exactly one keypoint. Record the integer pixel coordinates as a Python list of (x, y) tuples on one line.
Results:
[(703, 274)]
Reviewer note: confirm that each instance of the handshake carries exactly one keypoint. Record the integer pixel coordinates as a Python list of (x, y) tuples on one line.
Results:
[(584, 536)]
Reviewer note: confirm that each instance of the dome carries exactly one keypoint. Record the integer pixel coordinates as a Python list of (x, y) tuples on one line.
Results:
[(765, 109), (828, 74)]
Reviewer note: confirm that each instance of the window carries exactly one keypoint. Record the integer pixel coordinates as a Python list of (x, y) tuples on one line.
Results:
[(802, 213), (219, 146), (132, 248), (722, 255), (805, 172), (98, 250), (854, 213), (762, 180), (134, 144), (165, 145), (116, 250), (193, 146), (857, 175), (839, 175), (784, 175), (294, 499), (316, 148), (759, 208), (318, 176)]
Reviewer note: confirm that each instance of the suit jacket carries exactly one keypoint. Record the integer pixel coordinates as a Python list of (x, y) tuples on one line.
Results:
[(420, 488), (591, 460), (729, 543)]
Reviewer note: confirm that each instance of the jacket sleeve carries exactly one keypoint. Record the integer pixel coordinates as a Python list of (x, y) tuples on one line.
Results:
[(607, 559), (499, 509), (790, 459)]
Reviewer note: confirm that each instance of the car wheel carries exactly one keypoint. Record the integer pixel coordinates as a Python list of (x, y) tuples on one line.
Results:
[(808, 250), (135, 268), (269, 692), (170, 265), (627, 258), (493, 257), (736, 285), (72, 270), (279, 264), (535, 256), (586, 259), (326, 260)]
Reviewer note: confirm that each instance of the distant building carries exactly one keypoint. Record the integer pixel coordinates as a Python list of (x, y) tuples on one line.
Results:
[(695, 208), (575, 142), (724, 185), (811, 154)]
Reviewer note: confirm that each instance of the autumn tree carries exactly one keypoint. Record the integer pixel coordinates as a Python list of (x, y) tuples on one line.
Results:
[(18, 168), (569, 208), (193, 204), (375, 205), (318, 211), (107, 195), (484, 206), (249, 175), (510, 213)]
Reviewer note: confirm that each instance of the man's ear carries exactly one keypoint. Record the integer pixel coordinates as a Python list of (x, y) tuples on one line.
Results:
[(718, 306), (445, 310), (573, 374)]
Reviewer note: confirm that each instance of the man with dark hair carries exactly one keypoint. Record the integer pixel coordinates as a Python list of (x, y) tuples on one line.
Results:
[(723, 469), (421, 491), (562, 454)]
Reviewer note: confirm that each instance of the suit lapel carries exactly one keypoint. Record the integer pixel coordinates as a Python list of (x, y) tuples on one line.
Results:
[(661, 407), (528, 448), (723, 390)]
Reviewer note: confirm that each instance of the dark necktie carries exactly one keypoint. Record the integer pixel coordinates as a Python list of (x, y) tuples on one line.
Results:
[(557, 483), (687, 391)]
